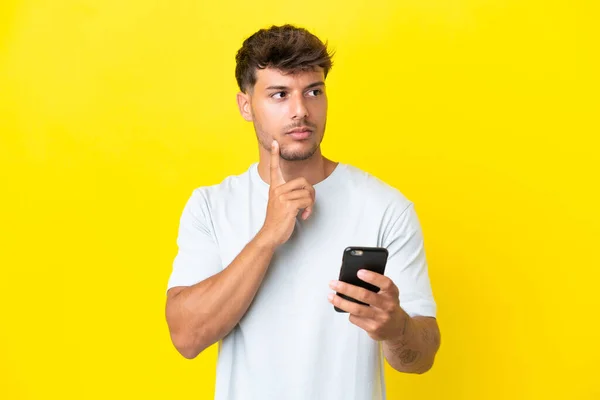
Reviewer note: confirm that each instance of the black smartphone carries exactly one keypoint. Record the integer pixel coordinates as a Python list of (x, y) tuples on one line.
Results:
[(356, 258)]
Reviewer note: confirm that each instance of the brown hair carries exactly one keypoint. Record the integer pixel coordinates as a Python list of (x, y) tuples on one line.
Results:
[(287, 48)]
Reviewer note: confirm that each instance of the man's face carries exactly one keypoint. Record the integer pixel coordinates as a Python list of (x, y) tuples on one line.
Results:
[(291, 109)]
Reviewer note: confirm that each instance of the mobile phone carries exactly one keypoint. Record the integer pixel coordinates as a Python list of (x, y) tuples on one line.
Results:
[(356, 258)]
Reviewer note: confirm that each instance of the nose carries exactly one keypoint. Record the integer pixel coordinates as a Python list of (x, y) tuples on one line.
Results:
[(298, 108)]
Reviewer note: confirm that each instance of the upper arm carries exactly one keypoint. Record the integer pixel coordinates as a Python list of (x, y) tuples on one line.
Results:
[(198, 255), (407, 264)]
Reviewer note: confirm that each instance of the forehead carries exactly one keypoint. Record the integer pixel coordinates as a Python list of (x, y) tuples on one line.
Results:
[(273, 77)]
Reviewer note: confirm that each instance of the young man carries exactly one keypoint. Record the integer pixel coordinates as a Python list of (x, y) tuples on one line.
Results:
[(260, 252)]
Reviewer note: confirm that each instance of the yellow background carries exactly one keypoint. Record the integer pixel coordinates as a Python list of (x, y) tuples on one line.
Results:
[(483, 112)]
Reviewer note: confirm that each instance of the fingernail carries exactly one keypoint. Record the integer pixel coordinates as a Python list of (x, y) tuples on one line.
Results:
[(361, 273), (330, 296), (333, 284)]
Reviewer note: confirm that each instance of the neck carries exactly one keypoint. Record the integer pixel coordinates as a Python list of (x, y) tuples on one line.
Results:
[(314, 169)]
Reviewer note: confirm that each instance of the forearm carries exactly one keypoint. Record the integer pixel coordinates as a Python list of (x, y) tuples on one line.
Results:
[(204, 313), (414, 350)]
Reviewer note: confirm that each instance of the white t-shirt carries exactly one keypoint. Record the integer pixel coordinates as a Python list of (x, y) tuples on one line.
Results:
[(291, 343)]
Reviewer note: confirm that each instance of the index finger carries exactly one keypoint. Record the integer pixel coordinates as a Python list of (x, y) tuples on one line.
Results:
[(381, 281), (276, 175)]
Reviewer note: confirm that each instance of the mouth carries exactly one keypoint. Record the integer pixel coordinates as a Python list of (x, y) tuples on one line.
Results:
[(300, 133)]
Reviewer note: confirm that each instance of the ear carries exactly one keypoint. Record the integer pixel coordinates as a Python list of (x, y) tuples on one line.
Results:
[(243, 101)]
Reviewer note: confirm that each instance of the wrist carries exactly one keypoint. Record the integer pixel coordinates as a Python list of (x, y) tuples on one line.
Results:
[(405, 331), (265, 241)]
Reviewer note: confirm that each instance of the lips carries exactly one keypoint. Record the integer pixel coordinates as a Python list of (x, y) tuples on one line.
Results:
[(300, 133)]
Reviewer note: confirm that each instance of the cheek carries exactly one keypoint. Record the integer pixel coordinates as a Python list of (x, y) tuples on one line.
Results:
[(273, 110), (275, 114), (319, 111), (270, 117)]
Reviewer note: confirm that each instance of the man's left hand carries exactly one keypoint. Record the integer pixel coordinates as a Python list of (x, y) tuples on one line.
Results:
[(383, 319)]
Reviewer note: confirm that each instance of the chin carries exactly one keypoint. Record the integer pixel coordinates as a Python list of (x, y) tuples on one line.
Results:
[(297, 154)]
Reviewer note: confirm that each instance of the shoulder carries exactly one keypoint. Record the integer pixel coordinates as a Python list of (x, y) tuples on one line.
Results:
[(234, 186), (378, 192)]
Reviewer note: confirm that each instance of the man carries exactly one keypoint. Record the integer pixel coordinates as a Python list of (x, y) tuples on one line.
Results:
[(260, 252)]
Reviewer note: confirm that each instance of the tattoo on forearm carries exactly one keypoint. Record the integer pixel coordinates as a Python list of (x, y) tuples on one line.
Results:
[(400, 348), (426, 335), (429, 337), (404, 326), (407, 356)]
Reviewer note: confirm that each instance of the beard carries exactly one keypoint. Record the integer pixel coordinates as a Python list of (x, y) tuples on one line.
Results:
[(287, 153), (297, 154)]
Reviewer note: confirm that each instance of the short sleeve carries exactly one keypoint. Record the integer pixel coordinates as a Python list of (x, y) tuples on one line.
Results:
[(407, 265), (197, 256)]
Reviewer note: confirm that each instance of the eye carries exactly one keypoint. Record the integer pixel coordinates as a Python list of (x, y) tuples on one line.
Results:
[(315, 92), (277, 95)]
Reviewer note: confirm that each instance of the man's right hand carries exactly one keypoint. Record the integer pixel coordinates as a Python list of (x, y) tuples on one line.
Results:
[(286, 199)]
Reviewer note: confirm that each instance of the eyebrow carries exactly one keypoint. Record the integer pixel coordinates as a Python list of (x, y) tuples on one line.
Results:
[(312, 85)]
